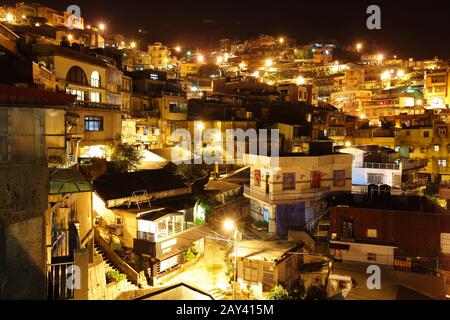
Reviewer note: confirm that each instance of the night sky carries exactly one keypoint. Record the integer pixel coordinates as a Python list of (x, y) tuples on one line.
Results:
[(418, 29)]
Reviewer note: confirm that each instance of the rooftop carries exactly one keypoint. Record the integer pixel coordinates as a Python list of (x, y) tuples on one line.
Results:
[(266, 250), (122, 185), (408, 204)]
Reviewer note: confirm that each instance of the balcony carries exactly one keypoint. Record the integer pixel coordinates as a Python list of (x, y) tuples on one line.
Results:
[(96, 105), (145, 243), (376, 165), (412, 164), (414, 184), (285, 196)]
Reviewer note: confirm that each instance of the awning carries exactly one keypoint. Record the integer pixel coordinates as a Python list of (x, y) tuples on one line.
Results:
[(64, 181), (341, 246)]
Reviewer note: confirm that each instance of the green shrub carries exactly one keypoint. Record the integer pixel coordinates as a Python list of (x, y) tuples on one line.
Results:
[(278, 293), (114, 276)]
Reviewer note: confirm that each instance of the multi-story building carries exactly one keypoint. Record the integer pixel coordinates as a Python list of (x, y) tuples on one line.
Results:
[(95, 83), (385, 105), (289, 191), (32, 139), (378, 230), (160, 55), (437, 89), (374, 165)]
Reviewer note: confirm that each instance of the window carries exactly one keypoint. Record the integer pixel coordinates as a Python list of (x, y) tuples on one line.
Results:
[(436, 148), (93, 123), (76, 75), (438, 79), (177, 108), (423, 150), (375, 178), (266, 214), (339, 178), (95, 79), (371, 256), (442, 163), (316, 177), (442, 131), (95, 96), (288, 181), (426, 134), (251, 271), (348, 229), (372, 233), (257, 177), (81, 95)]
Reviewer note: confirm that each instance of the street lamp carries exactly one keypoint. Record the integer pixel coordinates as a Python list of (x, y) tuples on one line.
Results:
[(359, 47), (230, 226), (101, 27)]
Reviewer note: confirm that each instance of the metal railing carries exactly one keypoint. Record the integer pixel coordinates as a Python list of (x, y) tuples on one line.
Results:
[(286, 195), (96, 105), (375, 165), (58, 280)]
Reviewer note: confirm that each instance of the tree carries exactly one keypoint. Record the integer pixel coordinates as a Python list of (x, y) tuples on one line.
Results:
[(192, 172), (125, 157), (278, 293), (316, 292)]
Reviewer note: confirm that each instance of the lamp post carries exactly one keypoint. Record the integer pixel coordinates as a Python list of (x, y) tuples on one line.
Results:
[(231, 226)]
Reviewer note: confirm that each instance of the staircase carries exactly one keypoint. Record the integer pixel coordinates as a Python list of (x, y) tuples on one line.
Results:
[(110, 267)]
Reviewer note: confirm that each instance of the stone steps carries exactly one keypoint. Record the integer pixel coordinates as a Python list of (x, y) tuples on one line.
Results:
[(110, 267)]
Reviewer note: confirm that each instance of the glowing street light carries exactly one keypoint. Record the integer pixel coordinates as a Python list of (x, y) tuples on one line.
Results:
[(419, 102), (200, 126), (385, 75), (9, 17), (133, 45), (102, 27), (359, 47), (380, 58), (300, 80), (219, 60), (200, 58), (400, 73), (178, 49), (281, 40), (255, 74), (230, 226), (70, 37), (268, 63)]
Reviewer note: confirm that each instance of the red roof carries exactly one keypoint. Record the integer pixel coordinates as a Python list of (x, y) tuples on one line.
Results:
[(11, 95)]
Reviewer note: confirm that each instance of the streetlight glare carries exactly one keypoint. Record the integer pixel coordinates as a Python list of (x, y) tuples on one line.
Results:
[(269, 63), (101, 27), (200, 58), (229, 225)]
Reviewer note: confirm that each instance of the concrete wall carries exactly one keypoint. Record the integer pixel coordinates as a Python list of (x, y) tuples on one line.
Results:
[(358, 252)]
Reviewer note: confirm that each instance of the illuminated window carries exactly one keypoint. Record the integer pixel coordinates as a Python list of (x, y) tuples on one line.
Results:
[(442, 163), (436, 148), (95, 97), (95, 79), (92, 123), (372, 233)]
